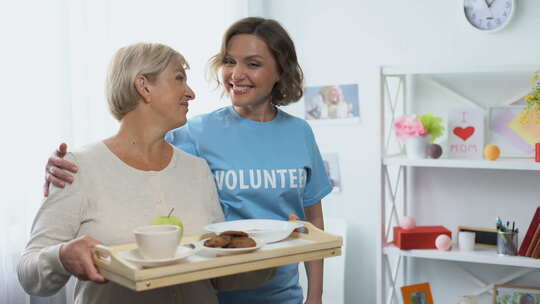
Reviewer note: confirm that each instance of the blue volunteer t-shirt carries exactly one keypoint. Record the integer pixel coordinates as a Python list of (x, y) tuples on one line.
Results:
[(263, 170)]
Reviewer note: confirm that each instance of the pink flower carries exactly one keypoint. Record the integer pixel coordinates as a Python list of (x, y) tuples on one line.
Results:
[(408, 126)]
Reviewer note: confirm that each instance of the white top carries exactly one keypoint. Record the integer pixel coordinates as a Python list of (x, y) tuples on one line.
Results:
[(107, 200)]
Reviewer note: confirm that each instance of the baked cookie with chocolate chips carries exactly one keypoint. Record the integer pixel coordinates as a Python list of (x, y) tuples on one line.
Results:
[(241, 242), (234, 233), (218, 241)]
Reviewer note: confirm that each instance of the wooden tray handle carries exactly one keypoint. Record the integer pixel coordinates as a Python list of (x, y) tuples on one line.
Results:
[(310, 229), (102, 255)]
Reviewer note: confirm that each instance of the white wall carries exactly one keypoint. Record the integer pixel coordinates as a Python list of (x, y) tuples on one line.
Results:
[(54, 57), (33, 82), (343, 42), (98, 28)]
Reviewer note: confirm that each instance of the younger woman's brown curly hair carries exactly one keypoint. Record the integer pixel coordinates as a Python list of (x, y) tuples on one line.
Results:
[(289, 87)]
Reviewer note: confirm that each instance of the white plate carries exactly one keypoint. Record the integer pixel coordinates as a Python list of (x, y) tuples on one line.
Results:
[(269, 231), (135, 257), (227, 251)]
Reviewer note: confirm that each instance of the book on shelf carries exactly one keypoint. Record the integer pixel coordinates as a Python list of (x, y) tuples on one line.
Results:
[(536, 251), (535, 221), (534, 241)]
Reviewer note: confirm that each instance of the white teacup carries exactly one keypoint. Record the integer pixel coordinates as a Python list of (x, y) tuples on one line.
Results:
[(466, 240), (157, 241)]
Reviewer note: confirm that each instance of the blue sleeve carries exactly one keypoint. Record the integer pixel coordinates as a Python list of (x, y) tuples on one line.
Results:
[(318, 184), (182, 139)]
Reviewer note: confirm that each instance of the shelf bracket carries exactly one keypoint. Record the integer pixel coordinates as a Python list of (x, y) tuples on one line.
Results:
[(488, 288), (392, 102), (393, 278), (472, 275), (517, 98), (453, 92), (393, 193), (513, 276)]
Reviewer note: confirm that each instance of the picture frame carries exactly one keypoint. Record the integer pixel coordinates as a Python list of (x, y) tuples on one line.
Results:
[(510, 294), (511, 141), (417, 294), (466, 133), (331, 166), (484, 237), (332, 103)]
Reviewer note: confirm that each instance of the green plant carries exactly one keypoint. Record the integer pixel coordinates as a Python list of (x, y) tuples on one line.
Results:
[(433, 125), (533, 101)]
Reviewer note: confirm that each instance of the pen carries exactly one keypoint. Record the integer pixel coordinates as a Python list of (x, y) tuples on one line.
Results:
[(501, 226)]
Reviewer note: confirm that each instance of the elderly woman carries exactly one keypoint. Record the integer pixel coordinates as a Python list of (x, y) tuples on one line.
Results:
[(124, 182)]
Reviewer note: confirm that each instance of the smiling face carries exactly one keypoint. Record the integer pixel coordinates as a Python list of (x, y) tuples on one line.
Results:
[(249, 71), (170, 95)]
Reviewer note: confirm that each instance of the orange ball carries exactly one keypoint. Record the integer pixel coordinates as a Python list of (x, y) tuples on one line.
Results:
[(492, 152)]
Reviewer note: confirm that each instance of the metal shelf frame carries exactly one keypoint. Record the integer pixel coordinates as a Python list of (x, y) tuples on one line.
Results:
[(391, 261)]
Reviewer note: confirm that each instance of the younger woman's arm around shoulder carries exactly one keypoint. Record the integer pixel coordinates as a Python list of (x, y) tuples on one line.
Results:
[(314, 269)]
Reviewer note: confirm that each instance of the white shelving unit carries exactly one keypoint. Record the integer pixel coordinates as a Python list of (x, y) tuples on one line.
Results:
[(396, 97), (501, 164), (480, 255)]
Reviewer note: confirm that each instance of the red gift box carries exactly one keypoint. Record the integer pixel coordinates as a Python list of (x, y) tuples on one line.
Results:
[(420, 237)]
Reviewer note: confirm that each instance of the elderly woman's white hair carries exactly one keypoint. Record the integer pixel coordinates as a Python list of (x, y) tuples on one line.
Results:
[(141, 59)]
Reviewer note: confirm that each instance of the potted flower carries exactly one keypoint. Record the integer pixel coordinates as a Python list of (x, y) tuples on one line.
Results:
[(532, 110), (433, 125), (417, 132)]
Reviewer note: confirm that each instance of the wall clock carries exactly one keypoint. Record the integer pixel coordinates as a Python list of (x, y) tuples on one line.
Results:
[(489, 15)]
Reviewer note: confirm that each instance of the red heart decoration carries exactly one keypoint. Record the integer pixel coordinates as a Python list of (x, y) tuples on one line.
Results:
[(464, 133)]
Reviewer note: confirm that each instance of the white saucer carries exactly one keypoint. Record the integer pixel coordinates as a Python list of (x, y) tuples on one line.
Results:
[(227, 251), (135, 257), (269, 231)]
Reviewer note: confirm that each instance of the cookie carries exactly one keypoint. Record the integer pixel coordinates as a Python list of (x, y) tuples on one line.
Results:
[(234, 233), (218, 241), (241, 242)]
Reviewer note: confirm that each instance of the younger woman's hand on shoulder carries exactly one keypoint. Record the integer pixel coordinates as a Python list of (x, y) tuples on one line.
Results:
[(54, 170)]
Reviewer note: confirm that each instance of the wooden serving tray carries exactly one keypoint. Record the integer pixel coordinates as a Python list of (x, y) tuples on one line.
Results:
[(313, 245)]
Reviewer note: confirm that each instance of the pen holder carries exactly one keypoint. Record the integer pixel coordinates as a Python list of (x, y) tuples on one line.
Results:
[(507, 243)]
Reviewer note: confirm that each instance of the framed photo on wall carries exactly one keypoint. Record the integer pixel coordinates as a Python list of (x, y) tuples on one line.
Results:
[(508, 294), (417, 294), (331, 165), (332, 103), (511, 142)]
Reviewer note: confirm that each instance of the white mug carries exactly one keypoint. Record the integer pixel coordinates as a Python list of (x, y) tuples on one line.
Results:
[(466, 240), (157, 241)]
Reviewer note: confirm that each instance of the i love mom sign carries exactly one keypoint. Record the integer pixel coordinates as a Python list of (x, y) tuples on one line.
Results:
[(465, 133)]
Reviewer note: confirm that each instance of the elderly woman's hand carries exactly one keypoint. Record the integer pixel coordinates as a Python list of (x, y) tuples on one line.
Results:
[(76, 256), (54, 172)]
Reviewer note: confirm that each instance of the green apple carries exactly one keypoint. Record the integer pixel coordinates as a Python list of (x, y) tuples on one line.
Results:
[(169, 220)]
